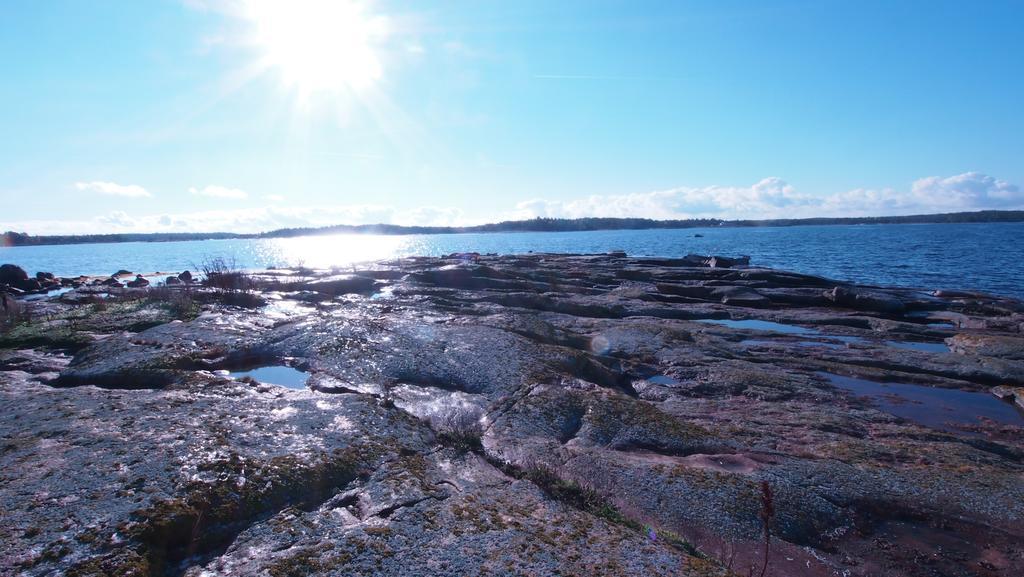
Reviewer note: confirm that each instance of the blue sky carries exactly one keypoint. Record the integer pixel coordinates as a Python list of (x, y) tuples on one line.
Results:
[(247, 115)]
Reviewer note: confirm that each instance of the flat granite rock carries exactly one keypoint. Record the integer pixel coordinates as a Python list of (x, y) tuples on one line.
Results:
[(536, 414)]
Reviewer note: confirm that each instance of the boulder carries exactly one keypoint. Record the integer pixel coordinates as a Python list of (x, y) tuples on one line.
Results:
[(12, 274), (44, 276), (122, 272), (112, 282), (139, 282), (172, 281), (30, 285), (185, 277)]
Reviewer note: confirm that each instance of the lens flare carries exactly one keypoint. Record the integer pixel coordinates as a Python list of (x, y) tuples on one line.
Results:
[(319, 45)]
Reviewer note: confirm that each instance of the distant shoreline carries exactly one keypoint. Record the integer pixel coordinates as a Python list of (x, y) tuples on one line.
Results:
[(11, 238)]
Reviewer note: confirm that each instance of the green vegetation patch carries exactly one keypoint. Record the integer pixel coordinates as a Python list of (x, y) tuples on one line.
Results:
[(69, 328)]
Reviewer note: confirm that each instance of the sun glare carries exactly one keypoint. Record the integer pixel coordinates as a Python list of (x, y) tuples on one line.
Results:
[(319, 45)]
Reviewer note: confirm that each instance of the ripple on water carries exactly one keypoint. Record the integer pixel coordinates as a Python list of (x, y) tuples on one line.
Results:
[(933, 407)]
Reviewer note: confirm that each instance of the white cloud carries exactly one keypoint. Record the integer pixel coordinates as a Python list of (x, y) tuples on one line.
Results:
[(774, 198), (217, 191), (767, 196), (113, 189), (274, 197), (970, 189)]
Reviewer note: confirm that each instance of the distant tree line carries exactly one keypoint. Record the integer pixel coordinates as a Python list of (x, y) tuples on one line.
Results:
[(532, 225), (945, 218), (11, 238)]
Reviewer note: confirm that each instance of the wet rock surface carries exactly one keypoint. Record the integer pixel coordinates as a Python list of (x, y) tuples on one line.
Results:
[(517, 415)]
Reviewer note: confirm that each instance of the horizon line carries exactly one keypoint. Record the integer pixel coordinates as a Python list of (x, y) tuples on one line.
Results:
[(14, 238)]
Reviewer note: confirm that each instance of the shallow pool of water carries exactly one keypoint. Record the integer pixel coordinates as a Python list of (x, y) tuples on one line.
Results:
[(931, 406), (767, 343), (50, 294), (916, 346), (754, 324), (282, 375)]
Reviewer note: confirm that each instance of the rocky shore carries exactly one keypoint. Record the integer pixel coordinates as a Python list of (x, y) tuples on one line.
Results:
[(511, 415)]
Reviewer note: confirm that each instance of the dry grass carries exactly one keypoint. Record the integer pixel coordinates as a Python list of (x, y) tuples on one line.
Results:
[(461, 430), (180, 301)]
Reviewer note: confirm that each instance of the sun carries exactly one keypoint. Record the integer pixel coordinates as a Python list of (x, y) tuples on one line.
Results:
[(319, 46)]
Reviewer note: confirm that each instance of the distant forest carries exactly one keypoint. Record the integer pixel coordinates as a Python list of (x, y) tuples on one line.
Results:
[(535, 225)]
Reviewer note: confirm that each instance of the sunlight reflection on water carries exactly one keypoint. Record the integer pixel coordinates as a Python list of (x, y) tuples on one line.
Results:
[(333, 251), (984, 256)]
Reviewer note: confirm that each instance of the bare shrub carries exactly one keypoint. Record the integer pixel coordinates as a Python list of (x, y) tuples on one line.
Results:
[(224, 274), (235, 287), (461, 430)]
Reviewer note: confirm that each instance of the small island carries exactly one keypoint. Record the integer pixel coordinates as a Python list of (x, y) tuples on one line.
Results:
[(536, 414)]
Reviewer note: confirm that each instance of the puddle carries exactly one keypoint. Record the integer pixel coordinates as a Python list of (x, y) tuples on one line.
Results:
[(847, 339), (931, 406), (276, 375), (761, 326), (50, 294), (384, 293), (662, 380), (765, 343), (915, 346)]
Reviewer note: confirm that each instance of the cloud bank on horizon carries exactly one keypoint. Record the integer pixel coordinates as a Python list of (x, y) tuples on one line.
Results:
[(769, 198), (773, 198)]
